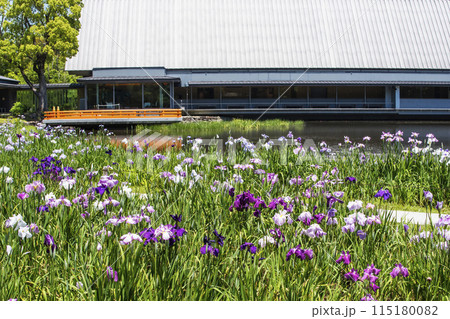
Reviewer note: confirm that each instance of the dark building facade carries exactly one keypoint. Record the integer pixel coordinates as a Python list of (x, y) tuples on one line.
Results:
[(7, 93)]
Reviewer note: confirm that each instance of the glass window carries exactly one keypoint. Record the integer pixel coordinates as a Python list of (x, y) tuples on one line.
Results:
[(235, 92), (410, 92), (164, 94), (294, 92), (208, 93), (180, 93), (427, 93), (351, 92), (156, 95), (375, 92), (323, 92), (263, 92), (129, 96), (442, 93), (105, 96), (435, 93), (151, 96), (92, 96)]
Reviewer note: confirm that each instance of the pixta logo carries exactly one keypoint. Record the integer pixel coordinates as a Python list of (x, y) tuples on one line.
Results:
[(148, 151)]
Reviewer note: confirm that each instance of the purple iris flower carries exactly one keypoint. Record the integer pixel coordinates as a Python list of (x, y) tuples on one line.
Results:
[(305, 218), (370, 275), (300, 253), (101, 190), (348, 228), (368, 297), (109, 152), (344, 257), (374, 286), (331, 200), (277, 234), (231, 192), (42, 208), (309, 253), (350, 179), (331, 212), (159, 157), (372, 270), (34, 228), (148, 235), (36, 186), (69, 170), (279, 201), (243, 201), (50, 241), (112, 275), (220, 238), (428, 195), (34, 159), (384, 193), (352, 275), (405, 227), (22, 196), (399, 269), (208, 241), (361, 234), (439, 205), (179, 232), (249, 247), (292, 251), (443, 221), (177, 218), (319, 217), (259, 202), (272, 178), (209, 249)]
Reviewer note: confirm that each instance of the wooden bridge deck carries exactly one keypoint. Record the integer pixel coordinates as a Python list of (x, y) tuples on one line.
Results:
[(124, 117)]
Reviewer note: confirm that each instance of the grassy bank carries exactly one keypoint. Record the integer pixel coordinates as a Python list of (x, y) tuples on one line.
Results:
[(218, 127)]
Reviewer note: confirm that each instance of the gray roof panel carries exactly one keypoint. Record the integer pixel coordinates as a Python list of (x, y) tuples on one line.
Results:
[(319, 83), (192, 34), (127, 79), (4, 79)]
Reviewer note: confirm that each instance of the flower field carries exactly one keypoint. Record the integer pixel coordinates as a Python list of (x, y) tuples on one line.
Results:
[(86, 218)]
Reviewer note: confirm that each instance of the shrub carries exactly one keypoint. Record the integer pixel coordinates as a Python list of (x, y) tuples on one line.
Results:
[(20, 108)]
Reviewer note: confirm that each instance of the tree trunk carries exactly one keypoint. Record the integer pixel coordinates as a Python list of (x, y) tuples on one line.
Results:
[(43, 101)]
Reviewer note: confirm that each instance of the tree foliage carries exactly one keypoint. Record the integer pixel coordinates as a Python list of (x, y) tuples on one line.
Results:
[(36, 39)]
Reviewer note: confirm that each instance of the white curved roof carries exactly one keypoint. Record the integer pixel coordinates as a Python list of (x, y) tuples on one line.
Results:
[(196, 34)]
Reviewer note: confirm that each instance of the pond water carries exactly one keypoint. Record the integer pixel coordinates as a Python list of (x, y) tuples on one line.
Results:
[(333, 132)]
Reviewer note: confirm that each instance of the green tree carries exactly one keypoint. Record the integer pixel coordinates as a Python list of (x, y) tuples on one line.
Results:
[(36, 39), (4, 66)]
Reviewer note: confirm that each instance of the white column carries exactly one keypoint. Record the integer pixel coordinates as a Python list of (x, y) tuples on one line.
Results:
[(397, 97)]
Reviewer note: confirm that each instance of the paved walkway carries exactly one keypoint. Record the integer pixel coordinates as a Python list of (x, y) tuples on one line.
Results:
[(412, 217)]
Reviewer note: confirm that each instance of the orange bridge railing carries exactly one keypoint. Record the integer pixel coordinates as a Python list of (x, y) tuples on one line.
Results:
[(112, 114)]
